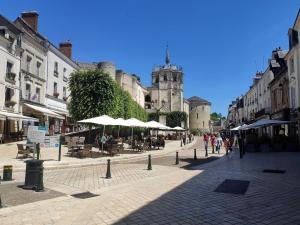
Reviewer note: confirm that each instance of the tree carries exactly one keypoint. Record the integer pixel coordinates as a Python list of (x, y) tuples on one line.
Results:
[(216, 116), (175, 118), (94, 93)]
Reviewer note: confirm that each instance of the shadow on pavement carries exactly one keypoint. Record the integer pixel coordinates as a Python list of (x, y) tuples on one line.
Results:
[(196, 202)]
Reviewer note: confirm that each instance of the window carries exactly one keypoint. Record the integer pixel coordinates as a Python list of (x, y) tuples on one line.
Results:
[(55, 69), (174, 77), (28, 62), (8, 94), (165, 78), (9, 67), (38, 66), (38, 94), (64, 92), (27, 92), (203, 124), (55, 87), (197, 116), (292, 66), (156, 79)]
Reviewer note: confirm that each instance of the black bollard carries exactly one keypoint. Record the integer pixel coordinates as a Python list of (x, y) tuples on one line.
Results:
[(206, 154), (177, 159), (180, 142), (195, 154), (149, 163), (1, 206), (108, 174)]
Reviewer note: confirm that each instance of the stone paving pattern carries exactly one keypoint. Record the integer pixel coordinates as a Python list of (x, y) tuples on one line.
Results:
[(170, 195)]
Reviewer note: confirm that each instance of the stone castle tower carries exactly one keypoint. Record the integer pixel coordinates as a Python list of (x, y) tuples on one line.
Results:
[(166, 92)]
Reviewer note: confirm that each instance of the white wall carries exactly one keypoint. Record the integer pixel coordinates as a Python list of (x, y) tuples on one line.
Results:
[(12, 57), (64, 68)]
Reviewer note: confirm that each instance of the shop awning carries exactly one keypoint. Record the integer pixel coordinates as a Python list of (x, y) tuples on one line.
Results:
[(45, 111), (16, 116)]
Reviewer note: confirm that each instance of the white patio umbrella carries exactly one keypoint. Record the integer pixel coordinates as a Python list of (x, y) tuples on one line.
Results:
[(178, 129), (120, 122), (133, 122), (155, 124), (263, 123), (100, 120)]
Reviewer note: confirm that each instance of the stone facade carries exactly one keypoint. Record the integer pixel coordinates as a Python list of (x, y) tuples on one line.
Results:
[(131, 83), (199, 116)]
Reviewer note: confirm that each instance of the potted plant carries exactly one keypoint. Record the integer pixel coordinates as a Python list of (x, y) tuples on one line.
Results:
[(56, 94)]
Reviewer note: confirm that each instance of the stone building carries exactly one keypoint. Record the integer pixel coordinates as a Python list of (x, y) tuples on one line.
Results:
[(132, 84), (166, 91), (60, 67), (10, 60), (200, 110), (107, 67)]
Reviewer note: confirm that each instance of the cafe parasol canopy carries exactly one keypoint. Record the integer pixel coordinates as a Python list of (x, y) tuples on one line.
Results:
[(100, 120), (133, 122), (178, 129), (263, 123), (156, 125)]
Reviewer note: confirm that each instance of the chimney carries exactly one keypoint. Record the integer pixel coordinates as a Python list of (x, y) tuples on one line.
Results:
[(66, 48), (31, 18)]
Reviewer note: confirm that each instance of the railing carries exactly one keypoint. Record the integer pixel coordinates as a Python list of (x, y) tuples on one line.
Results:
[(65, 79), (55, 73), (10, 77)]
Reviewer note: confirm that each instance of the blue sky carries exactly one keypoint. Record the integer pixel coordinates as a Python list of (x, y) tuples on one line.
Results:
[(220, 44)]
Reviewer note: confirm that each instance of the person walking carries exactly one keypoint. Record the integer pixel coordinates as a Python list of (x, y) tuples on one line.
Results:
[(219, 142), (205, 140), (212, 141)]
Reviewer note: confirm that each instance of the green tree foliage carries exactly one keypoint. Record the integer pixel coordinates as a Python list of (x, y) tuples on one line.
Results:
[(216, 116), (175, 118), (94, 93)]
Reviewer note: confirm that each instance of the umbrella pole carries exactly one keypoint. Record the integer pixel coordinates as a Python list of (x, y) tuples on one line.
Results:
[(102, 136), (119, 132), (132, 138)]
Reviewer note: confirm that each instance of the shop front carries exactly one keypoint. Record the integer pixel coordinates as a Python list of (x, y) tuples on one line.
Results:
[(47, 117), (11, 128)]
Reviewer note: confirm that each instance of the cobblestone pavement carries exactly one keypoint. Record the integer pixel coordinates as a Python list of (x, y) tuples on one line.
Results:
[(176, 196), (92, 178)]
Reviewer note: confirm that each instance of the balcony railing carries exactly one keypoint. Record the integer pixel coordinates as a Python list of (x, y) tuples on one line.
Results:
[(65, 79), (55, 73), (10, 77)]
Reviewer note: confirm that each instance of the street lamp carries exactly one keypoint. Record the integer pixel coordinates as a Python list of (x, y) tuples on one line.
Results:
[(158, 109)]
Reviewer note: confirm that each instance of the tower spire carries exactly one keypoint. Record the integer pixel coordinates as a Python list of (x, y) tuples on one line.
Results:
[(167, 56)]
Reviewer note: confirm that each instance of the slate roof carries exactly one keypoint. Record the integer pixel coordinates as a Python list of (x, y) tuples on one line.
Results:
[(195, 101)]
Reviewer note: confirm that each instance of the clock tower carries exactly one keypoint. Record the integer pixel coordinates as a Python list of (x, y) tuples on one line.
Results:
[(166, 92)]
